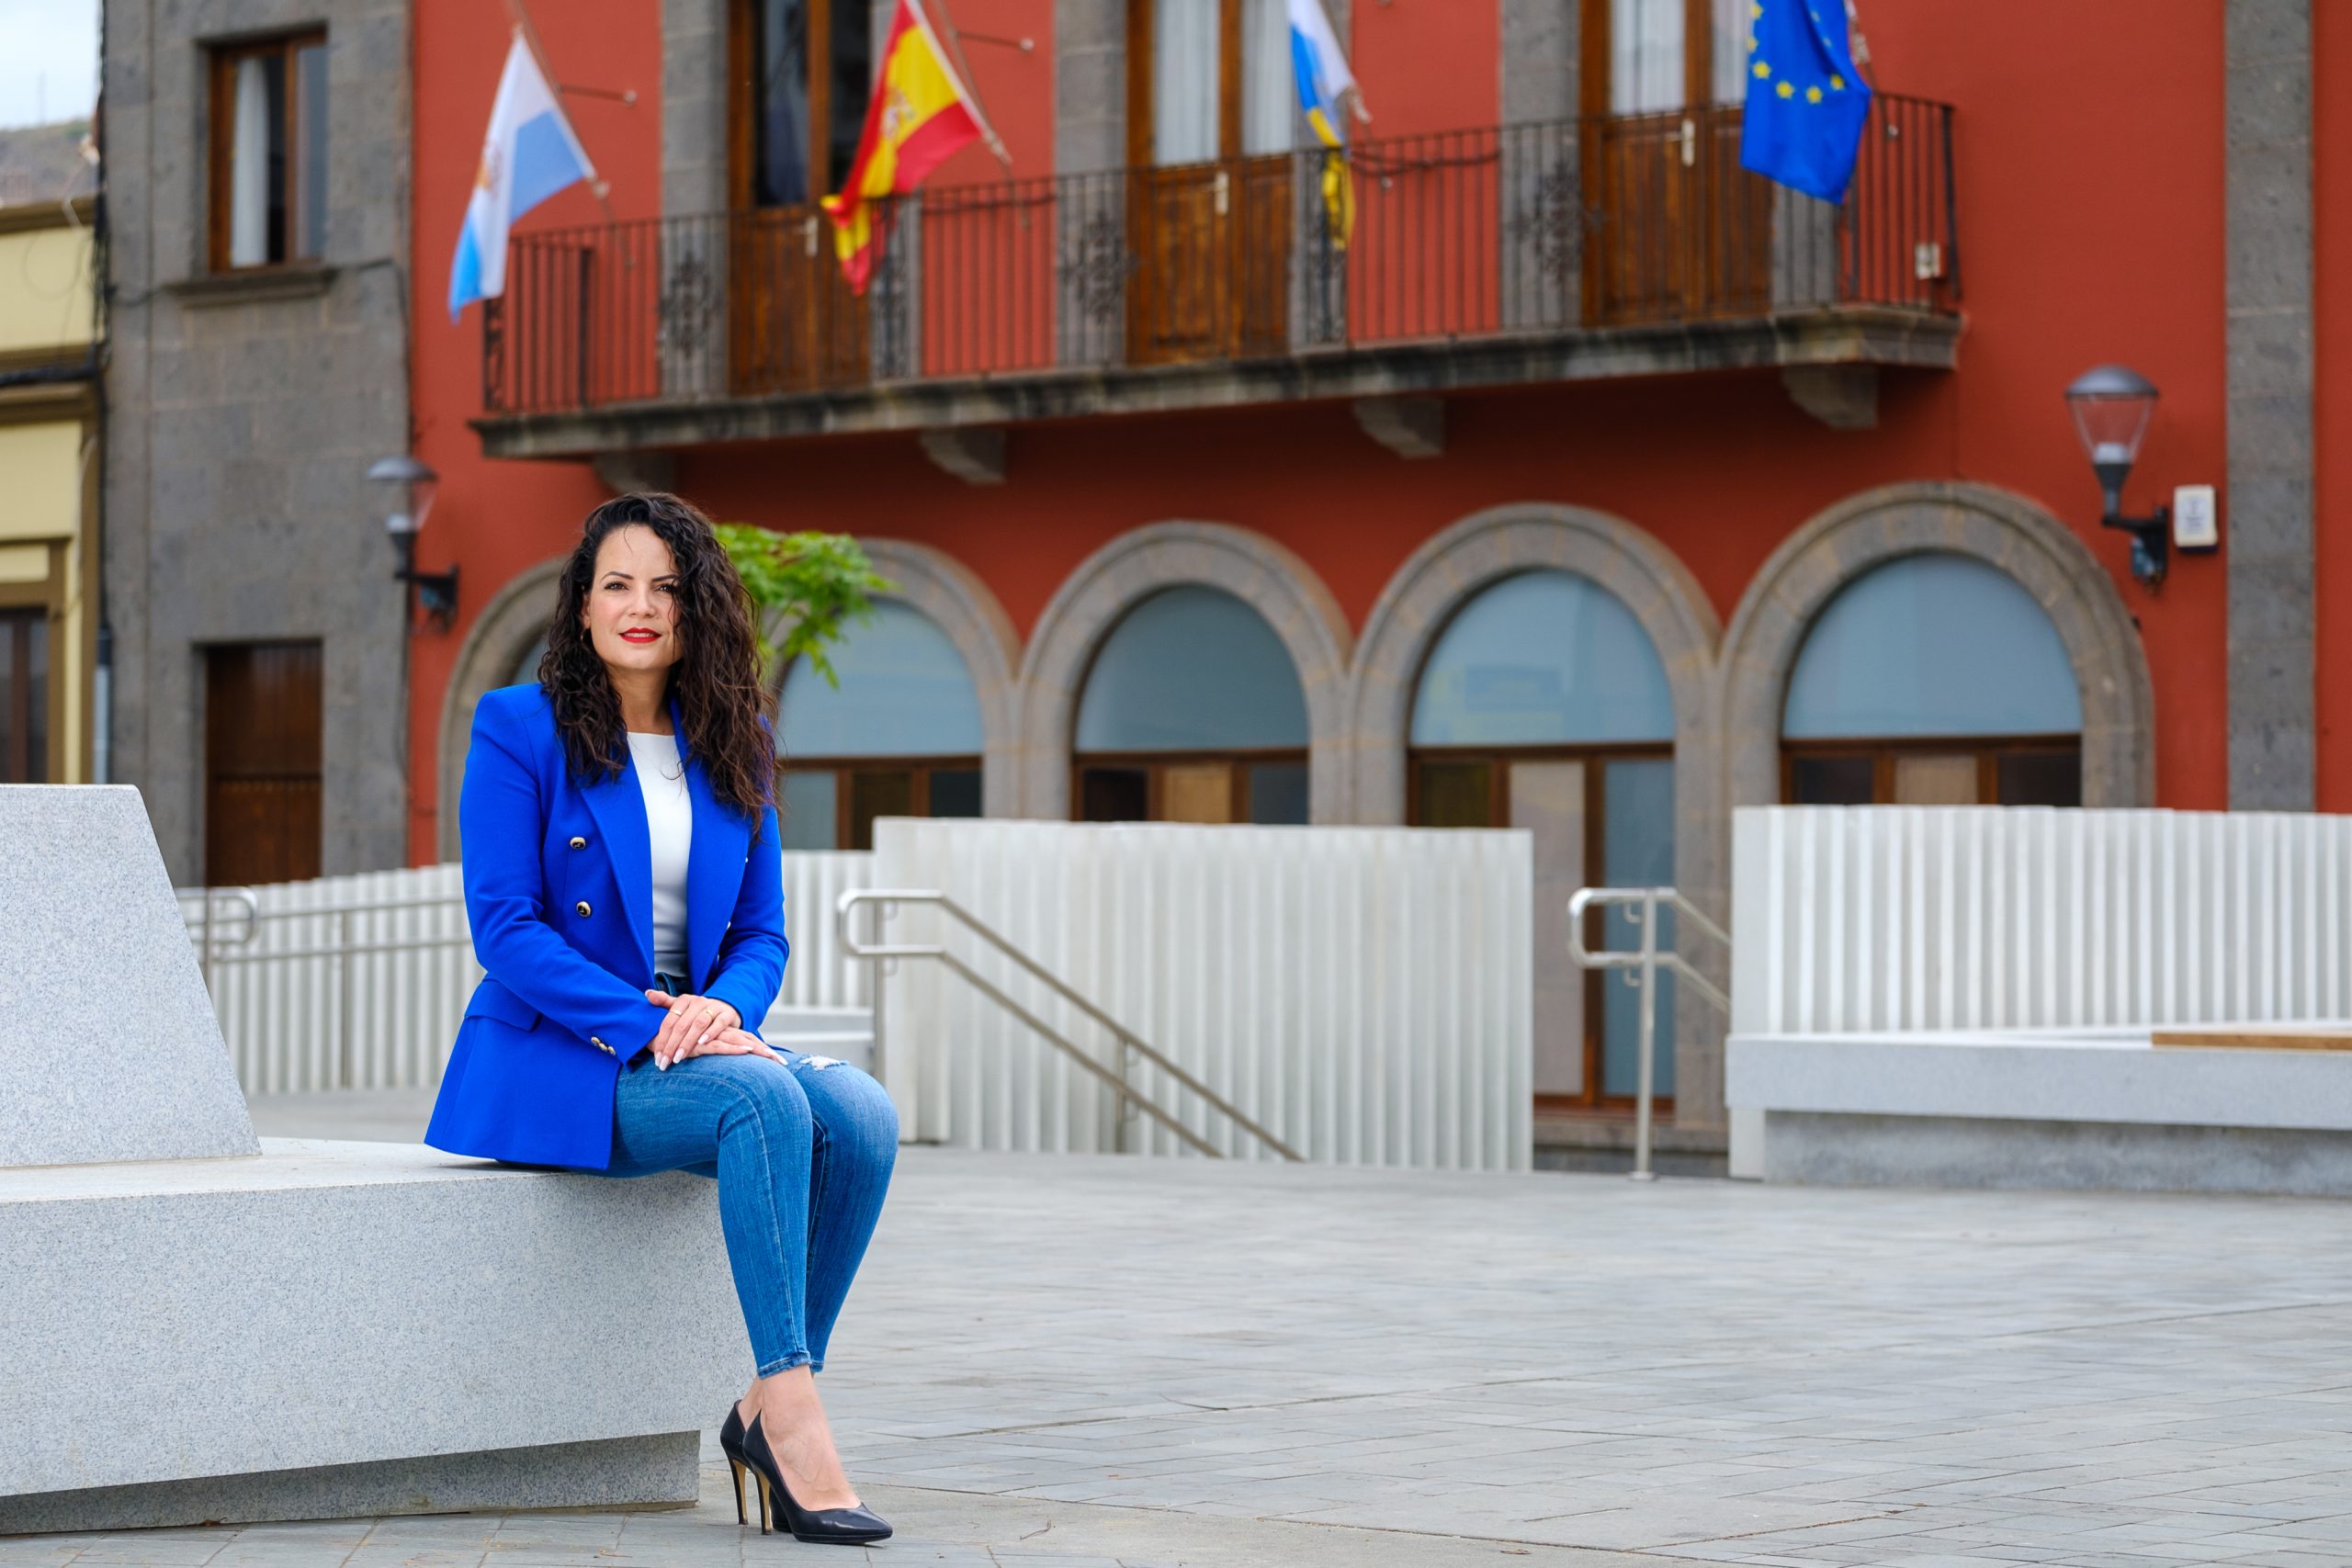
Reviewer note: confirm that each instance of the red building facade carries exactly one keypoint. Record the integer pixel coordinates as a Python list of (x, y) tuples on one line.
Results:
[(1569, 346)]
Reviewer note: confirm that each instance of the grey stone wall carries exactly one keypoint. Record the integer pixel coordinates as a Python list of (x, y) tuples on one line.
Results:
[(2268, 156), (243, 416)]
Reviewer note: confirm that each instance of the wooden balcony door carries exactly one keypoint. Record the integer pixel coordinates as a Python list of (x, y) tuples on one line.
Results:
[(1211, 114), (800, 73), (1682, 231)]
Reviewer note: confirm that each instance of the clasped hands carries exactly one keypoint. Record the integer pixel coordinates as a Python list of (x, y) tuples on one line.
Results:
[(700, 1026)]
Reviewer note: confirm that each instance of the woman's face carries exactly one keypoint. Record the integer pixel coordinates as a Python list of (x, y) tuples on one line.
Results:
[(632, 615)]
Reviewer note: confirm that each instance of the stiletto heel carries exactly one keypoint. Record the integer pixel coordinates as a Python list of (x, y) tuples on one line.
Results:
[(824, 1526), (730, 1443)]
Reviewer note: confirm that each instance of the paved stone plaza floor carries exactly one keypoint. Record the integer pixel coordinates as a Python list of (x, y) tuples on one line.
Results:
[(1077, 1363)]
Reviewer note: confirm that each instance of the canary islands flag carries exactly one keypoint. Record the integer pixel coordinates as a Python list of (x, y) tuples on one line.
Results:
[(1805, 101), (1324, 81), (529, 154), (920, 113)]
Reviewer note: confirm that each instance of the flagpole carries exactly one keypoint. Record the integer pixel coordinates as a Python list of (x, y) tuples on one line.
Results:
[(964, 80), (530, 37)]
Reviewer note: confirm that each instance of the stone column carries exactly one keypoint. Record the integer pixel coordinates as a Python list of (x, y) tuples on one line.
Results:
[(1090, 260), (2267, 164), (691, 289), (1542, 198)]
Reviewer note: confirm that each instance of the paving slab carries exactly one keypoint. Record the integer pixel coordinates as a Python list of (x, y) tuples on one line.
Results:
[(1067, 1360)]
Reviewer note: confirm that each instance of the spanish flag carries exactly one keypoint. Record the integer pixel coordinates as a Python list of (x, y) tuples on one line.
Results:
[(920, 116)]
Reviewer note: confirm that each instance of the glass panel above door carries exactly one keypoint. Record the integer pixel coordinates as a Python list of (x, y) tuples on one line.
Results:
[(1645, 55), (1185, 58), (1267, 89), (780, 58)]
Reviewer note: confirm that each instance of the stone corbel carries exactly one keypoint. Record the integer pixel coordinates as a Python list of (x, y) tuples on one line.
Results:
[(974, 453), (1411, 427), (1843, 397)]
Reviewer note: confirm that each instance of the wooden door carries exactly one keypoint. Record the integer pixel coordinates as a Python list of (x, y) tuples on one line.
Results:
[(262, 716), (1211, 205), (1683, 232), (797, 78)]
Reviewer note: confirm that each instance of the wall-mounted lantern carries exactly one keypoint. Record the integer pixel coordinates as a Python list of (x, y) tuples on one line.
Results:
[(2112, 405), (406, 492)]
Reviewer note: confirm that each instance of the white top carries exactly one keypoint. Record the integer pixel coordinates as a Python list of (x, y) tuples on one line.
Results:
[(669, 824)]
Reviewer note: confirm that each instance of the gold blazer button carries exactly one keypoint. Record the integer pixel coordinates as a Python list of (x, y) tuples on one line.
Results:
[(578, 843), (583, 909), (600, 1045)]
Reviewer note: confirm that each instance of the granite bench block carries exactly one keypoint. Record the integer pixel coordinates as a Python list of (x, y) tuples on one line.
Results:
[(88, 915), (345, 1307), (2053, 1109)]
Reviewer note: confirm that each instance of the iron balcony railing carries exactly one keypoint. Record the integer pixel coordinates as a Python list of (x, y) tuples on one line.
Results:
[(1461, 236)]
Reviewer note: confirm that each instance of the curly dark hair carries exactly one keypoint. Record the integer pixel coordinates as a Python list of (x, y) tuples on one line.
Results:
[(725, 709)]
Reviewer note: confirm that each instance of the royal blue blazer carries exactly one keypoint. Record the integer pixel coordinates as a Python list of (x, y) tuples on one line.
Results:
[(559, 893)]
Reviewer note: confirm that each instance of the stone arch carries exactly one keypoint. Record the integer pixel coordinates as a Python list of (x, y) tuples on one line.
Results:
[(1453, 567), (953, 598), (1261, 573), (2005, 531), (505, 629)]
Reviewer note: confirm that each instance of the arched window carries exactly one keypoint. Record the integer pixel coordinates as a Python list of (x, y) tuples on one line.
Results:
[(899, 737), (1542, 705), (1192, 712), (1934, 680)]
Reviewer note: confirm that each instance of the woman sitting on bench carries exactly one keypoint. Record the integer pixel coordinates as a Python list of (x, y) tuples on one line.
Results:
[(625, 888)]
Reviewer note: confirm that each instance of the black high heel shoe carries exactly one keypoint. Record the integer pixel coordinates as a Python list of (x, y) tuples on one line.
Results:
[(822, 1526), (730, 1443)]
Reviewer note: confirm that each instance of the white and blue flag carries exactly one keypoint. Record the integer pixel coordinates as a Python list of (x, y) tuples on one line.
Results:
[(530, 154)]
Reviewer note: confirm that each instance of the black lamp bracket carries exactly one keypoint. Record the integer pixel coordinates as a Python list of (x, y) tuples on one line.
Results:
[(2151, 542), (436, 591)]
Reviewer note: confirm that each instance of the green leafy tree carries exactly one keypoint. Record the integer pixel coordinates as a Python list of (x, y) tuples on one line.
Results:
[(807, 584)]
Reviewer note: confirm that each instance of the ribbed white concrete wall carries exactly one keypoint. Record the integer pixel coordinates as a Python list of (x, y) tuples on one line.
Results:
[(1917, 918), (361, 981), (1363, 992)]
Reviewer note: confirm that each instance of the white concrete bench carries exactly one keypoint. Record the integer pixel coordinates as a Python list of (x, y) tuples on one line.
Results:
[(208, 1327), (2092, 1107)]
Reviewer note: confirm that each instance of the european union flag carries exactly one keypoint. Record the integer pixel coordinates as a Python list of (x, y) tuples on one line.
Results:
[(1805, 100)]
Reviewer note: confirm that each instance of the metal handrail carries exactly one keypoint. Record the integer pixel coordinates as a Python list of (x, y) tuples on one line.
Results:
[(845, 910), (1645, 960)]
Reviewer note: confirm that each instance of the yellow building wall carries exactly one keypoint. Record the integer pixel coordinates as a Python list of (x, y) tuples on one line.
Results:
[(45, 290), (41, 474), (41, 467)]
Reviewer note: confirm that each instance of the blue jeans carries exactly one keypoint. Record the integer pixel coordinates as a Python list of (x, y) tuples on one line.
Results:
[(802, 1152)]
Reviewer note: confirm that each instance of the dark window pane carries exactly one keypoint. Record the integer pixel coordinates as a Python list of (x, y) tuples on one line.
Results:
[(274, 74), (1637, 850), (808, 805), (852, 83), (955, 791), (36, 628), (1832, 780), (2042, 778), (878, 794), (310, 139), (781, 110), (12, 701), (1456, 795), (1278, 794), (1115, 795)]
